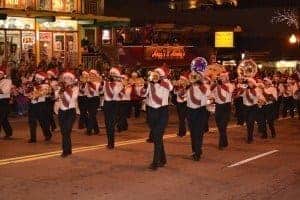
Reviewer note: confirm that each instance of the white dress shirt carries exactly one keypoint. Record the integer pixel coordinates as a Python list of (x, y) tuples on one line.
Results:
[(92, 92), (41, 98), (72, 99), (253, 97), (198, 95), (112, 90), (226, 94), (5, 86)]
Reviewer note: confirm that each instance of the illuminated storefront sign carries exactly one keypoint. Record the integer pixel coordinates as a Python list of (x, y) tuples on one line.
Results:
[(17, 23), (224, 39), (59, 24), (164, 53)]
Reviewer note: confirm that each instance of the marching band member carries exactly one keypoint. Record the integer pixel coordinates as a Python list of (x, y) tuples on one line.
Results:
[(267, 114), (50, 99), (222, 93), (180, 92), (157, 93), (280, 89), (124, 105), (5, 89), (67, 100), (37, 107), (296, 94), (250, 93), (111, 89), (82, 100), (136, 101), (287, 100), (93, 101), (197, 96), (238, 103)]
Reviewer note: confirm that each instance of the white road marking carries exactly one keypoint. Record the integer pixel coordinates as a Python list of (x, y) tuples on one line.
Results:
[(252, 158)]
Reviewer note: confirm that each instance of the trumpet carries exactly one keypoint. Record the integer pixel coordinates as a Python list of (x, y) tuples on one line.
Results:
[(195, 77), (136, 81), (39, 92)]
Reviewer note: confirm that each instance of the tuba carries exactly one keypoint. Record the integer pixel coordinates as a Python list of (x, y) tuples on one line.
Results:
[(247, 69)]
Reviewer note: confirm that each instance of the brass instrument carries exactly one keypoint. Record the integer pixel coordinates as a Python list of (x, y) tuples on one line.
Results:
[(247, 69), (136, 81), (195, 77), (153, 76), (38, 92), (214, 71)]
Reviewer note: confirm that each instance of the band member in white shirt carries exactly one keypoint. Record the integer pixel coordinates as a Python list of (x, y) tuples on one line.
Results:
[(67, 100), (50, 99), (267, 111), (250, 94), (180, 92), (124, 104), (37, 91), (5, 89), (111, 89), (287, 100), (222, 93), (296, 94), (197, 97), (157, 93), (93, 102), (82, 100)]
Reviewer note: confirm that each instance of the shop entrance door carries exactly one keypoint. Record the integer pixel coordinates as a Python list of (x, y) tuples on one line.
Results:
[(59, 46)]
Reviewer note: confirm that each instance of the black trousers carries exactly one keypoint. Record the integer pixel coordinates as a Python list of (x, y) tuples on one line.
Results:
[(92, 109), (222, 117), (196, 122), (4, 111), (66, 120), (297, 103), (239, 111), (147, 120), (181, 111), (158, 120), (123, 109), (50, 112), (266, 116), (250, 117), (36, 113), (110, 114), (83, 117), (136, 105), (278, 106), (288, 106)]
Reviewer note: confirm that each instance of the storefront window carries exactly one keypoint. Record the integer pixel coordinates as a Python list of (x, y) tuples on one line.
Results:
[(58, 5), (18, 4), (17, 23), (13, 46), (45, 46), (2, 47), (45, 4)]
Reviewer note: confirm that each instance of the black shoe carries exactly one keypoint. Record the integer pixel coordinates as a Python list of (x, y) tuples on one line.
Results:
[(273, 135), (249, 141), (221, 148), (149, 140), (195, 157), (162, 164), (96, 132), (110, 147), (48, 138), (153, 167), (264, 137), (64, 155), (89, 133), (31, 141), (7, 137)]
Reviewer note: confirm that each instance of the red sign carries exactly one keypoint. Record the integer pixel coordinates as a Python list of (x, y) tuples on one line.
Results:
[(164, 53)]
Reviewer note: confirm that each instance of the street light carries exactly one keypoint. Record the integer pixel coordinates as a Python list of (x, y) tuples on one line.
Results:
[(293, 39)]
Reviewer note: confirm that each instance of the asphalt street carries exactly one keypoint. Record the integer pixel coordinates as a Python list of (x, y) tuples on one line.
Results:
[(267, 169)]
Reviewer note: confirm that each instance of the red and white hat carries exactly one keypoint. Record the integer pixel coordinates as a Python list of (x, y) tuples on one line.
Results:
[(163, 71), (68, 74), (41, 75), (115, 71), (52, 73), (268, 80), (95, 72)]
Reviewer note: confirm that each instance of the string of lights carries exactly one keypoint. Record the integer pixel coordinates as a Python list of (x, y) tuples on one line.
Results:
[(286, 16)]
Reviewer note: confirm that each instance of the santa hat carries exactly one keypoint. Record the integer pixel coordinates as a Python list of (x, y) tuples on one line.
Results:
[(52, 73), (268, 80), (252, 80), (115, 71), (84, 72), (68, 74), (41, 75), (95, 72), (124, 76)]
